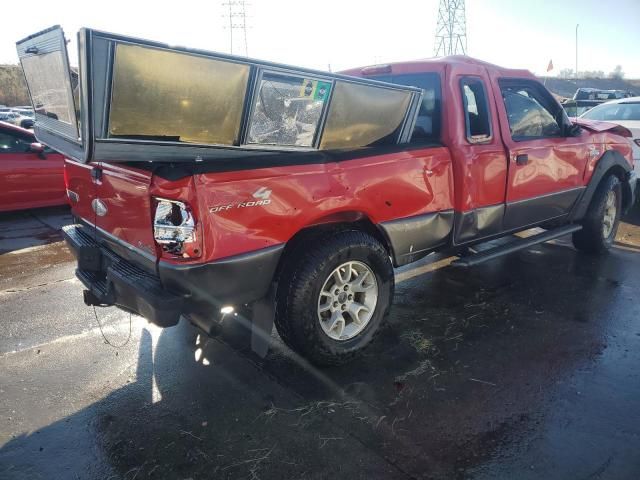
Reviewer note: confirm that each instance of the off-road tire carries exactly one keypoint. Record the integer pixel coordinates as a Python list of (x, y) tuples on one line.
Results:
[(591, 238), (307, 267)]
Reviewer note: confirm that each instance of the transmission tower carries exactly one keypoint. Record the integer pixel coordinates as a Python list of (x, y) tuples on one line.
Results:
[(236, 20), (451, 32)]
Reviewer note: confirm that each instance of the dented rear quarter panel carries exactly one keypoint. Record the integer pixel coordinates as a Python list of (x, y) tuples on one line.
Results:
[(380, 188)]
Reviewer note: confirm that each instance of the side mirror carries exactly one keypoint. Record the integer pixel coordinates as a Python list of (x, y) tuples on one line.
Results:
[(573, 130), (38, 148)]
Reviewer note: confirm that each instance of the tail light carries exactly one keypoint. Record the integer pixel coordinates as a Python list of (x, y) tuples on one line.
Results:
[(175, 229)]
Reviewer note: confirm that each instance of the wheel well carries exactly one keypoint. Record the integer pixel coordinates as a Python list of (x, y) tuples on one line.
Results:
[(619, 172), (346, 221)]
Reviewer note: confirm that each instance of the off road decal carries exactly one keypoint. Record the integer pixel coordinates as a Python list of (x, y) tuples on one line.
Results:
[(262, 197)]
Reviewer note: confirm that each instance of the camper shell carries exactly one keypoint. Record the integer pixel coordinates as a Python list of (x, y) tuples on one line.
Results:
[(138, 100)]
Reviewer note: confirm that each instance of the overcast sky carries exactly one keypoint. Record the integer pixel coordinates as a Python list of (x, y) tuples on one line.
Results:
[(348, 33)]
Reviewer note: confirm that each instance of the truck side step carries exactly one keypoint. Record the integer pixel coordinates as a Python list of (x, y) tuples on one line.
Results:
[(519, 244)]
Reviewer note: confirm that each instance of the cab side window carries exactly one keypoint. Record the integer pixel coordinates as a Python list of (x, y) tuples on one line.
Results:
[(10, 143), (476, 110), (530, 112)]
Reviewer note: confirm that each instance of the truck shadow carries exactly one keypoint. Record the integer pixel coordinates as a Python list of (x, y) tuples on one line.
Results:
[(633, 215), (466, 366)]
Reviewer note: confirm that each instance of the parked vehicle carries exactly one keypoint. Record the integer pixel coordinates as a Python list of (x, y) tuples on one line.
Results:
[(586, 98), (25, 112), (625, 112), (10, 117), (31, 175), (599, 95), (16, 118), (296, 192), (27, 123)]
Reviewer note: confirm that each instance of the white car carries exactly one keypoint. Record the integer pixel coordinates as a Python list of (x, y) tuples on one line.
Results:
[(625, 112)]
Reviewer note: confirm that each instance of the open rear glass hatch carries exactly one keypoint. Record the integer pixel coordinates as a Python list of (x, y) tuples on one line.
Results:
[(136, 100)]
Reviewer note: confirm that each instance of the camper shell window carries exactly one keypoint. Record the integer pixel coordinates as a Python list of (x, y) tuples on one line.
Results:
[(287, 110), (172, 96)]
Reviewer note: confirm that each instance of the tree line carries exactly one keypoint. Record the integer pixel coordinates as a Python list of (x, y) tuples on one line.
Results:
[(615, 74), (13, 89)]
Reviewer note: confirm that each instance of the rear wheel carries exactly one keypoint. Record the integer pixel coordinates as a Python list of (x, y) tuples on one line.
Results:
[(600, 224), (333, 296)]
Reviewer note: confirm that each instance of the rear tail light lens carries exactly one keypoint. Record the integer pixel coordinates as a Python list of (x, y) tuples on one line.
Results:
[(174, 229)]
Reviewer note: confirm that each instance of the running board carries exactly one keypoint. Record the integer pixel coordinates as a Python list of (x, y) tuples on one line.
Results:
[(519, 244)]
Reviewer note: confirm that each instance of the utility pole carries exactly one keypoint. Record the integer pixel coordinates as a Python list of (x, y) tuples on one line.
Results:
[(577, 25), (237, 17), (451, 31)]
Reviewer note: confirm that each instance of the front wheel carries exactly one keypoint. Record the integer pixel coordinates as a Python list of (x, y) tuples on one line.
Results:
[(600, 224), (333, 296)]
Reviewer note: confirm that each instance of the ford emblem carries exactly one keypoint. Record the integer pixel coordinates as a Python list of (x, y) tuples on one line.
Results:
[(99, 207)]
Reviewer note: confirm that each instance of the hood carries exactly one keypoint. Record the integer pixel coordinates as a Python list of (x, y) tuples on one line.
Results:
[(598, 126), (632, 125)]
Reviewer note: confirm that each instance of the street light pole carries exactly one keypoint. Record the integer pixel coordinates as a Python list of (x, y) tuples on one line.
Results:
[(577, 25)]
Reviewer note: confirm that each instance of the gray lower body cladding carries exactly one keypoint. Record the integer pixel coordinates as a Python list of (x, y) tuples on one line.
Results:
[(414, 237), (539, 209)]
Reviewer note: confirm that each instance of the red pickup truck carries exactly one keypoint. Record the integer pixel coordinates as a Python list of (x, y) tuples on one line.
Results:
[(307, 234)]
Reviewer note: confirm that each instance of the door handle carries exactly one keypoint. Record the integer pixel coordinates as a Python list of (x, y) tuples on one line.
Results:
[(522, 159)]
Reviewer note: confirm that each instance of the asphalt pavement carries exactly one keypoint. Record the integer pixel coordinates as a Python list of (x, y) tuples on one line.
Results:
[(525, 367)]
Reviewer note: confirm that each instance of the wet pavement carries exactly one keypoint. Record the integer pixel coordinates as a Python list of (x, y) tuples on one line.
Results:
[(524, 367)]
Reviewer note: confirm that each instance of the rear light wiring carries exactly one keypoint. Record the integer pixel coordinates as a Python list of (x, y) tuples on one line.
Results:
[(175, 229)]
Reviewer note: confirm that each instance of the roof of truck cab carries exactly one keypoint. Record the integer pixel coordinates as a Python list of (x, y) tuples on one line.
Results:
[(432, 64)]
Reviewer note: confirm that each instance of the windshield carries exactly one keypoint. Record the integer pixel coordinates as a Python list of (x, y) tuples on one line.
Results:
[(428, 121), (614, 112)]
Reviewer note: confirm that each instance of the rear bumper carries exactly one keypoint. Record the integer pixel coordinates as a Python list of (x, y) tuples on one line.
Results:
[(113, 280), (116, 275)]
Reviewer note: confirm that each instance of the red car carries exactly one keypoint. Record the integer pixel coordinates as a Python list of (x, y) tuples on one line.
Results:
[(31, 174), (296, 192)]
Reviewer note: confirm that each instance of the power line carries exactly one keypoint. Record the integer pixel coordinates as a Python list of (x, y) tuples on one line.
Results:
[(236, 17), (451, 31)]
